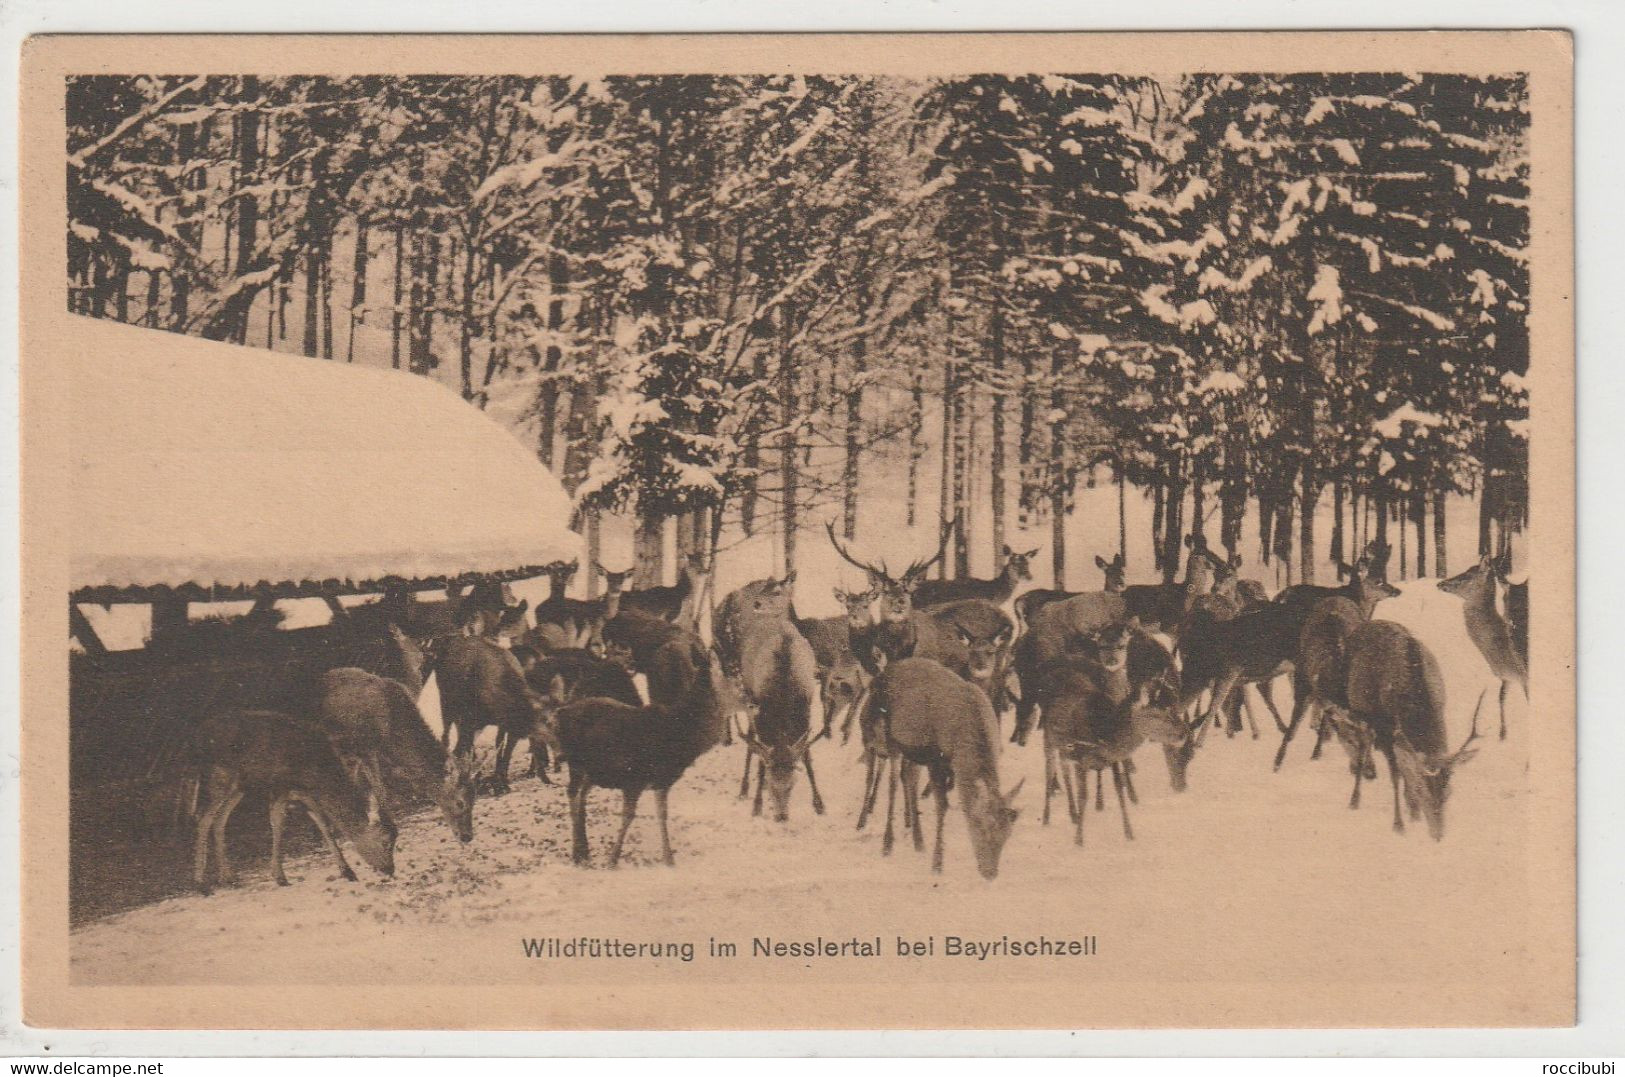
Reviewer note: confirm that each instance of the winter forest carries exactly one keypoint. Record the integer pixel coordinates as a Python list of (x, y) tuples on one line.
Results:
[(721, 302)]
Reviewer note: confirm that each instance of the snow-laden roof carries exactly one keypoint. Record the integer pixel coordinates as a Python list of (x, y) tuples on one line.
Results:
[(195, 462)]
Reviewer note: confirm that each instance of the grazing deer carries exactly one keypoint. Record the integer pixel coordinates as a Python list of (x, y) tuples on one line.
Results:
[(896, 592), (1014, 567), (778, 672), (927, 716), (614, 745), (1396, 697), (1320, 672), (374, 720), (289, 762), (481, 685), (1492, 633)]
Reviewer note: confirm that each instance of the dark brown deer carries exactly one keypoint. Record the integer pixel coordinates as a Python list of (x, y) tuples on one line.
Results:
[(1396, 695), (666, 602), (482, 685), (927, 716), (831, 637), (289, 761), (614, 745), (1165, 605), (1095, 718), (1490, 632), (779, 675), (896, 592), (1259, 644), (375, 722), (1014, 567), (1320, 675)]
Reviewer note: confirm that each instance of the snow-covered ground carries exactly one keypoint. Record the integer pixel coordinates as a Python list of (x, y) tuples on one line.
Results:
[(1245, 861)]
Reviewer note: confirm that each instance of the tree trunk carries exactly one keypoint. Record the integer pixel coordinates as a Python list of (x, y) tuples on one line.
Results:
[(1379, 508), (1027, 501), (964, 468), (789, 475), (753, 446), (358, 287), (996, 454), (1199, 501), (248, 174), (1173, 526), (313, 287), (1419, 516), (150, 315), (945, 506), (1399, 519), (854, 431), (1337, 522), (1306, 523), (395, 311), (1060, 480), (1122, 511), (649, 550), (916, 446), (1440, 568), (327, 296), (1157, 510), (1283, 531)]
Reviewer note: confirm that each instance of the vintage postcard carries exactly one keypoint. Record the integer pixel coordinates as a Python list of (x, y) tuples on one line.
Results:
[(750, 532)]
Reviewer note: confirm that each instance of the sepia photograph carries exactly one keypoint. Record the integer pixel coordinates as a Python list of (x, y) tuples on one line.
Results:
[(883, 533)]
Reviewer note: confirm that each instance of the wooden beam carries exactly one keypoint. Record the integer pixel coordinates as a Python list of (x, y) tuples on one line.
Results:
[(81, 628), (105, 595)]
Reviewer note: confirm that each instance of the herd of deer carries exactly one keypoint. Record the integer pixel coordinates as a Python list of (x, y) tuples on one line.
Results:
[(922, 668)]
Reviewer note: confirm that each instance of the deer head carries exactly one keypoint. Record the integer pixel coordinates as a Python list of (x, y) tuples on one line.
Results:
[(984, 646), (1427, 777), (857, 605), (990, 816), (456, 795), (1019, 563), (1476, 581), (1114, 570), (779, 763), (896, 592)]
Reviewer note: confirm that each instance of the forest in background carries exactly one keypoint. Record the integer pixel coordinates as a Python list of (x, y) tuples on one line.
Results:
[(723, 298)]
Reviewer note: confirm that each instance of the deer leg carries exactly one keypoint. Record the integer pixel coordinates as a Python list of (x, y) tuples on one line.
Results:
[(580, 853), (812, 783), (1267, 693), (871, 787), (1100, 791), (316, 816), (1128, 781), (1504, 685), (1393, 774), (279, 815), (1221, 694), (1362, 749), (1050, 780), (629, 811), (226, 876), (941, 796), (205, 829), (761, 782), (665, 833), (506, 742), (1077, 819), (539, 762), (891, 806), (1300, 707), (1122, 802), (911, 805), (744, 782)]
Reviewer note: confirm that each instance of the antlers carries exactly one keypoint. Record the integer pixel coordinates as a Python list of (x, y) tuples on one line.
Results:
[(875, 573), (880, 573)]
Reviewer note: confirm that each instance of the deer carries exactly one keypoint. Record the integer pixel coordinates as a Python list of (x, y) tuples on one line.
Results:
[(1373, 561), (1492, 633), (1260, 644), (564, 623), (291, 762), (925, 715), (1096, 716), (831, 637), (666, 602), (1014, 567), (481, 685), (375, 723), (1165, 605), (1396, 699), (779, 674), (572, 675), (896, 592), (611, 744)]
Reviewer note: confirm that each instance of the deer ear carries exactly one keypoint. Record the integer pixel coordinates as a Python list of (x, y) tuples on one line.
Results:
[(556, 688), (1100, 562), (1006, 550)]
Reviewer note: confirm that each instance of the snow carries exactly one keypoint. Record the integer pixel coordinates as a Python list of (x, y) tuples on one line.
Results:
[(200, 462), (1246, 861), (1392, 427), (1327, 295)]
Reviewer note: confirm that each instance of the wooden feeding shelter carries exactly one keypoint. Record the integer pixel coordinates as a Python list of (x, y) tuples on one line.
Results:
[(203, 472)]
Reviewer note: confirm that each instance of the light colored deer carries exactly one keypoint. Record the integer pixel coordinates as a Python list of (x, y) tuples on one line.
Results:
[(1489, 630)]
